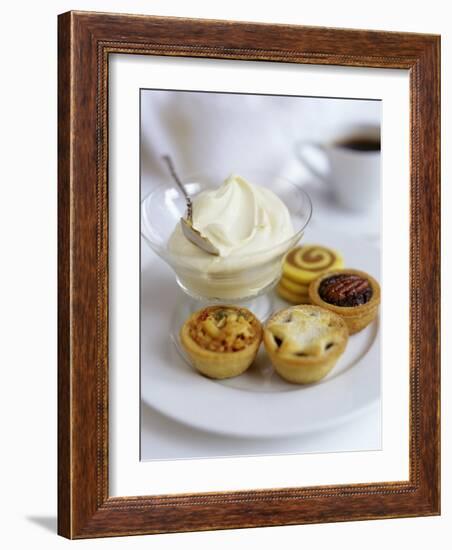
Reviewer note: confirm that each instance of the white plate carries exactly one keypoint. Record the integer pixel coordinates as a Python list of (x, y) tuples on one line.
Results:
[(257, 404)]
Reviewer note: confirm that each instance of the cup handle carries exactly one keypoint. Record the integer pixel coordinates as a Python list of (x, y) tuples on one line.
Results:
[(303, 156)]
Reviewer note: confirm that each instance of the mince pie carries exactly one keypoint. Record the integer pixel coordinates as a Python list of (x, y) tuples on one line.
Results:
[(352, 294), (221, 341), (304, 342)]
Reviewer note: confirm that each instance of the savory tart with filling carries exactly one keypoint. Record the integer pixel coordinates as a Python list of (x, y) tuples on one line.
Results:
[(352, 294), (221, 341), (304, 342)]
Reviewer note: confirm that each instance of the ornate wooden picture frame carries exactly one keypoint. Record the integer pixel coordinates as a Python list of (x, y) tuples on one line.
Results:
[(85, 42)]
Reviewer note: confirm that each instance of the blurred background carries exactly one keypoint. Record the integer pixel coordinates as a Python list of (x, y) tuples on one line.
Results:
[(224, 132), (231, 132)]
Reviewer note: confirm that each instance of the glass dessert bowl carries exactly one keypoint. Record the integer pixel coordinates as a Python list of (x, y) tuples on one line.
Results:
[(243, 275), (253, 225)]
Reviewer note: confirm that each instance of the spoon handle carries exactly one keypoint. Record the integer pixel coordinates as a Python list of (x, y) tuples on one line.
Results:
[(176, 178)]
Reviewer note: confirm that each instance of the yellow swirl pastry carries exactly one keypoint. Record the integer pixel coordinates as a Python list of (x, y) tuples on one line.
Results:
[(295, 288), (290, 296), (305, 263)]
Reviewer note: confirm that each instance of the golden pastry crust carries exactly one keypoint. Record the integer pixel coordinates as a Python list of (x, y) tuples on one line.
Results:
[(221, 341), (304, 342), (295, 288), (290, 296), (357, 317), (304, 263)]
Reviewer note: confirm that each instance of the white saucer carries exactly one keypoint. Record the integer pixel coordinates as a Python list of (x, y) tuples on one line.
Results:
[(257, 404)]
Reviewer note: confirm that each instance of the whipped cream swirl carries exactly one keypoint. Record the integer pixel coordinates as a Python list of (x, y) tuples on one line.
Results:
[(252, 229), (239, 218)]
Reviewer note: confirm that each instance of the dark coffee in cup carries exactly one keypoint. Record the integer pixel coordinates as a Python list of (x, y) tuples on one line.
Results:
[(360, 144), (352, 159)]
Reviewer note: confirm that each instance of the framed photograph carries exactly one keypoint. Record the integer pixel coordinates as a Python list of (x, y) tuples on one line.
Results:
[(248, 275)]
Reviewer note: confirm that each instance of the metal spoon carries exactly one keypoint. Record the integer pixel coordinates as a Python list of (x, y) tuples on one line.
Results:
[(190, 232)]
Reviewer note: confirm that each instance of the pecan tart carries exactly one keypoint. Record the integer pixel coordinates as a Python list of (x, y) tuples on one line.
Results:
[(304, 342), (221, 341), (352, 294)]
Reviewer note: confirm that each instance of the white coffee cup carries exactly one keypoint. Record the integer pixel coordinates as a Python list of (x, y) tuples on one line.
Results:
[(351, 165)]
